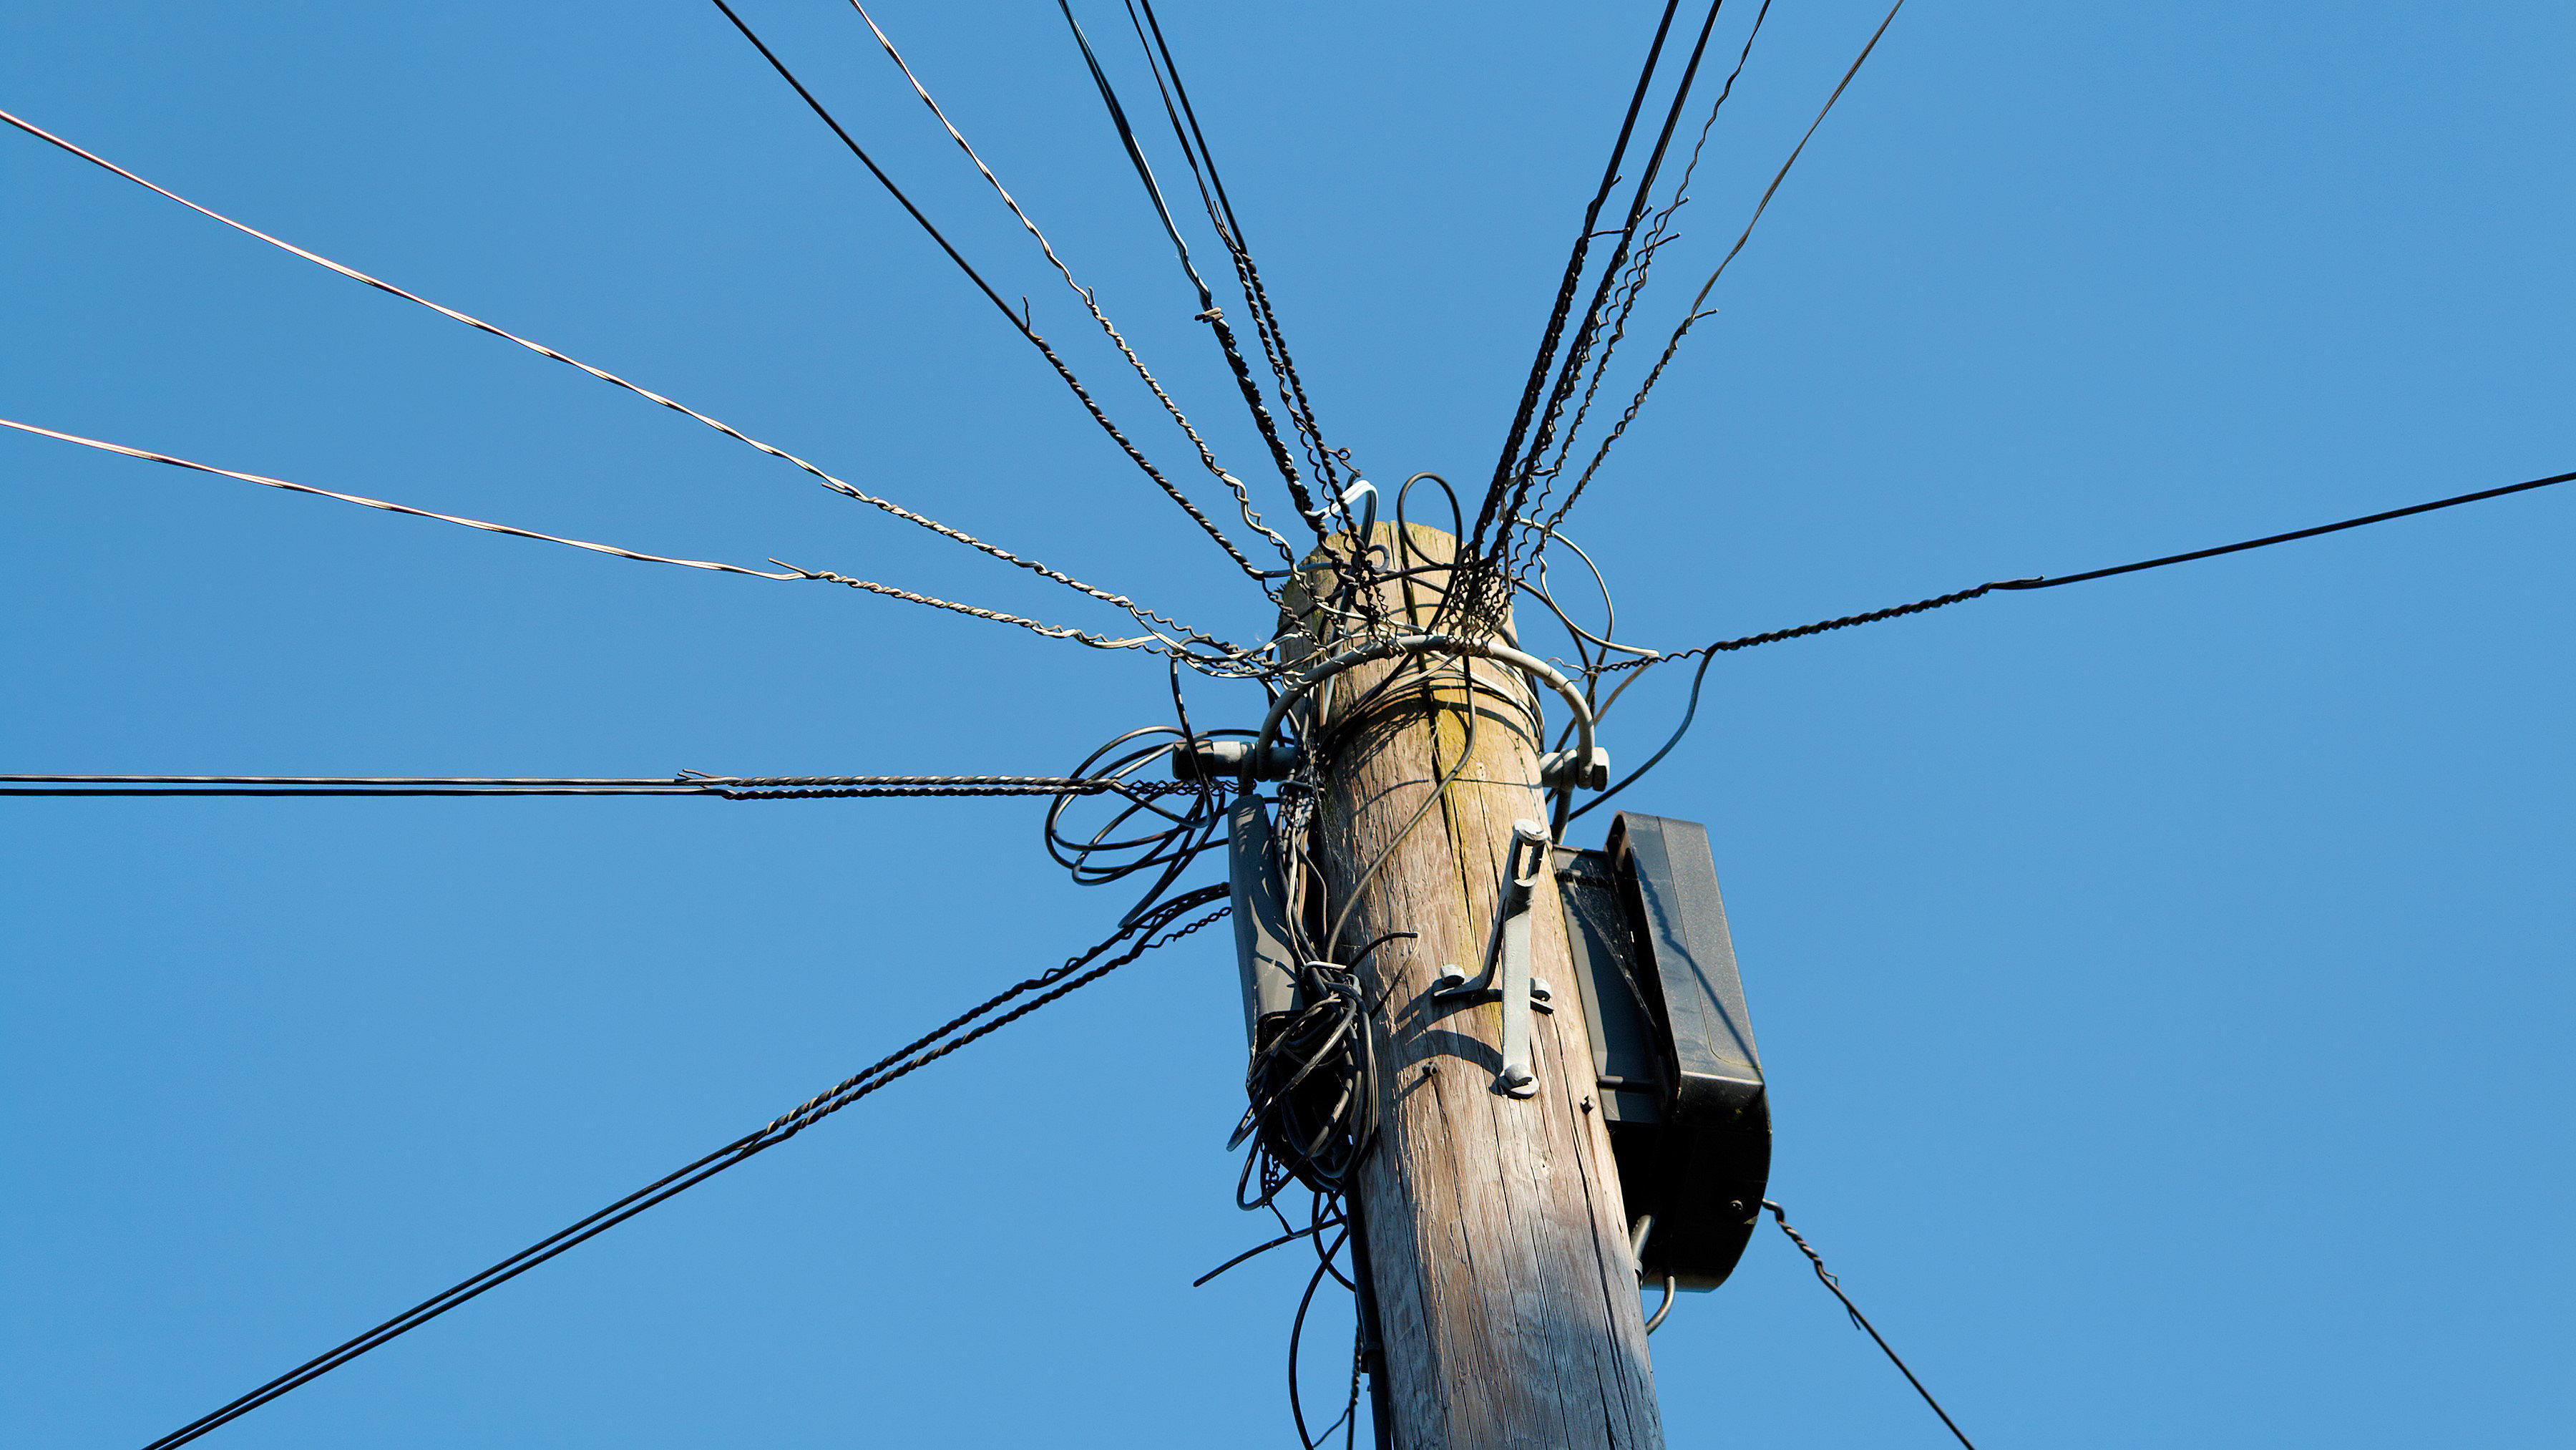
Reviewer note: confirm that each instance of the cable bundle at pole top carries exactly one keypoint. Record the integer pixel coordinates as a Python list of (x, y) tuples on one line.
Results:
[(1146, 807)]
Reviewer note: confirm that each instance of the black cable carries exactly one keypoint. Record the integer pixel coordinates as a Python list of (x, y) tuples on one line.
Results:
[(1632, 288), (1689, 713), (1019, 321), (1710, 652), (2269, 539), (325, 791), (1265, 319), (1150, 933), (1586, 333), (288, 785), (718, 787), (784, 790), (1136, 154), (1289, 1237), (1296, 1332), (666, 782), (1692, 315), (2045, 582), (1781, 1217), (1171, 841), (1209, 312), (1311, 1134), (1574, 263)]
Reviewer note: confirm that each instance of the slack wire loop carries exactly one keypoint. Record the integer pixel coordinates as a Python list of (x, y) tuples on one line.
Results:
[(792, 574), (1148, 932), (1708, 653), (1018, 320), (839, 486), (1780, 1216)]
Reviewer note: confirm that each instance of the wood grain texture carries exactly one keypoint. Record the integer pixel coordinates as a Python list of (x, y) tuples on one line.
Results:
[(1497, 1239)]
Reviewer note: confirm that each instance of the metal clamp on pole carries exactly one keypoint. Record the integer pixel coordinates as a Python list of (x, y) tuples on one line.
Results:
[(1507, 960), (1217, 759), (1567, 770)]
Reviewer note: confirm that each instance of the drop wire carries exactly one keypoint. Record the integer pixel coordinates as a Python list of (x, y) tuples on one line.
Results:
[(1859, 1320), (840, 486), (1708, 653), (687, 783), (791, 574), (1573, 279), (1166, 69), (1694, 315), (1018, 320), (1209, 312), (1148, 932)]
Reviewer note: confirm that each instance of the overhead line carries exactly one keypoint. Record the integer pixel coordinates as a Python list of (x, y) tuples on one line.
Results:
[(658, 781), (1142, 615), (287, 791), (1692, 316), (1019, 322), (1573, 279), (1229, 227), (1090, 299), (1860, 1321), (1795, 152), (1209, 312), (1195, 144), (2042, 581), (792, 574), (1708, 653), (2270, 539), (264, 481), (719, 787), (1589, 329), (1135, 150), (1632, 288), (1150, 931)]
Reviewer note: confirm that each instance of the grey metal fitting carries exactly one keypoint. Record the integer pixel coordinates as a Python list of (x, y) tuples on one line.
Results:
[(1565, 769), (1226, 759)]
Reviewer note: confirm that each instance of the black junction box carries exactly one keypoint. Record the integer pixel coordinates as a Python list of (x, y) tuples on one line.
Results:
[(1678, 1080)]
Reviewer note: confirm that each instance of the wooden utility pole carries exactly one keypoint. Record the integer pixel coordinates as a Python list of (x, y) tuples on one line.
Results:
[(1497, 1242)]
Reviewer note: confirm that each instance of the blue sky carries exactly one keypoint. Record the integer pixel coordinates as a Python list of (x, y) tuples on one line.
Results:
[(2162, 981)]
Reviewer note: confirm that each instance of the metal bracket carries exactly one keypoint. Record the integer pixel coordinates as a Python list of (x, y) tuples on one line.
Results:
[(1506, 968), (1220, 759), (1561, 769)]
